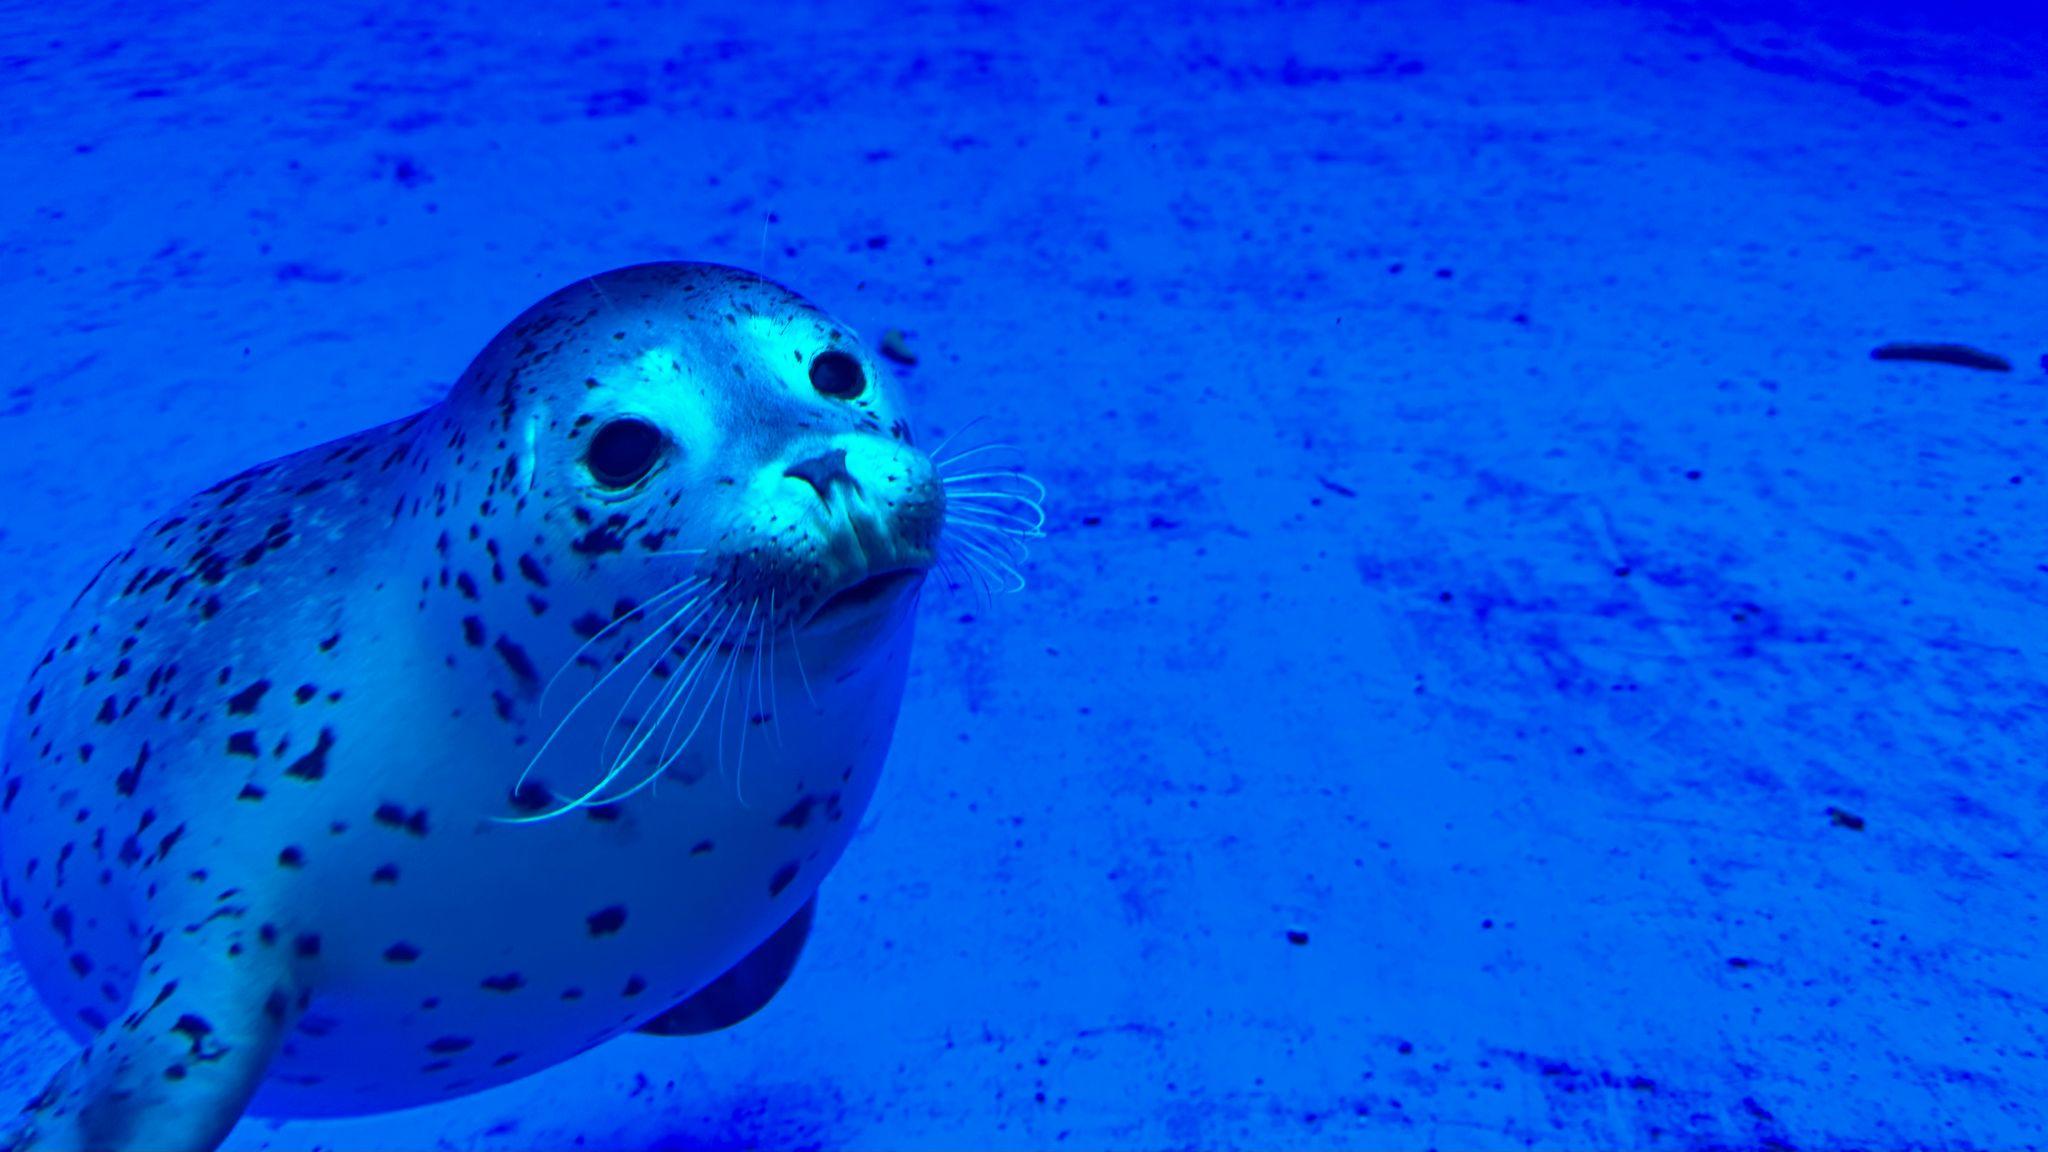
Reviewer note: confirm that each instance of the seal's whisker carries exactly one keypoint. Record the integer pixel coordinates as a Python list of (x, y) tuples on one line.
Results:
[(680, 688), (1004, 511), (637, 612), (585, 698), (702, 654), (1005, 546), (796, 648), (675, 552), (998, 542), (1027, 491), (747, 685), (674, 695), (758, 696), (658, 716), (997, 520), (774, 694), (627, 755), (939, 451), (726, 679), (1002, 518), (973, 549), (978, 579), (703, 710), (993, 521), (618, 727), (672, 749), (995, 474), (944, 462), (985, 495)]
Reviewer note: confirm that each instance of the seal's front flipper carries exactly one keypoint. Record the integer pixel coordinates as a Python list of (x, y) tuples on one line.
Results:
[(745, 988), (174, 1073)]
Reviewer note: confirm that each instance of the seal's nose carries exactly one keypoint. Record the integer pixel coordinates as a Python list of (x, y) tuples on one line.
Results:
[(822, 471)]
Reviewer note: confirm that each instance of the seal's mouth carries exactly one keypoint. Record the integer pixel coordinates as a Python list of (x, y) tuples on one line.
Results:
[(871, 596)]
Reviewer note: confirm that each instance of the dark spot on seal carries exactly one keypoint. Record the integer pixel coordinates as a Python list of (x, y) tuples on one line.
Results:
[(394, 816), (242, 743), (1843, 819), (193, 1027), (401, 953), (449, 1045), (385, 874), (313, 765), (782, 878), (799, 813), (126, 780), (250, 792), (531, 796), (701, 847), (305, 694), (291, 858), (635, 985), (81, 964), (607, 921), (517, 660), (473, 631), (507, 982), (244, 703), (531, 569), (602, 539), (589, 624)]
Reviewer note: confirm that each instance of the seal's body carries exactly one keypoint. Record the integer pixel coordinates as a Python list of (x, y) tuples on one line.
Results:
[(420, 761)]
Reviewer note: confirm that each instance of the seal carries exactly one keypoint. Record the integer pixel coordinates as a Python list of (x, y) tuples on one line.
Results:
[(417, 762)]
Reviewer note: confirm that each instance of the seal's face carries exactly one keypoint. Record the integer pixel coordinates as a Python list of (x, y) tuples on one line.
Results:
[(716, 498), (705, 421), (774, 459)]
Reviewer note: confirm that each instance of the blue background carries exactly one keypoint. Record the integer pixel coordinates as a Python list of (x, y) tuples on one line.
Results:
[(1480, 540)]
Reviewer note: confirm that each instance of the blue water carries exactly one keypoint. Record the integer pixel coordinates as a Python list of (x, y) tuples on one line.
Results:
[(1507, 668)]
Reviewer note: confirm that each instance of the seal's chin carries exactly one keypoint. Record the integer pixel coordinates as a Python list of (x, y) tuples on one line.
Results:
[(874, 597)]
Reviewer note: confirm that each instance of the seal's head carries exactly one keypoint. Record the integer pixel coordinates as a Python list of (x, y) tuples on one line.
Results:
[(680, 410), (697, 452)]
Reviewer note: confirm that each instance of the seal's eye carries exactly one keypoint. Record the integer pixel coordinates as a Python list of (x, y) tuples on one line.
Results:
[(622, 452), (838, 375)]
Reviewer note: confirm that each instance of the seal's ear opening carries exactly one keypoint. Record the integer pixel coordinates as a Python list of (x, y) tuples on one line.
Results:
[(838, 375), (623, 452)]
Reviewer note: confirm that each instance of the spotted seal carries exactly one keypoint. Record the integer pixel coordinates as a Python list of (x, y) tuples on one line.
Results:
[(416, 762)]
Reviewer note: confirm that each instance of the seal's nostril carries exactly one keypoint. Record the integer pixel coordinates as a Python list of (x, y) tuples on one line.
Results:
[(821, 471)]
